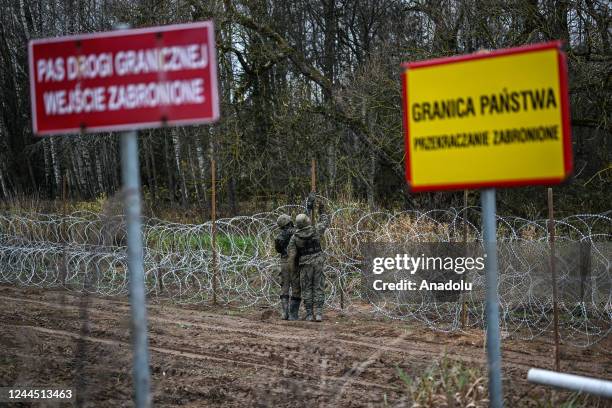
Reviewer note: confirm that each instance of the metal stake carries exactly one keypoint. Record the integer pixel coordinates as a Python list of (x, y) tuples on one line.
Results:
[(553, 271), (313, 186), (213, 230), (464, 311), (489, 233), (131, 193)]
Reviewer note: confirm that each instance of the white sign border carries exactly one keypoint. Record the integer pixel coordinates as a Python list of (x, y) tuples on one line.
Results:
[(116, 33)]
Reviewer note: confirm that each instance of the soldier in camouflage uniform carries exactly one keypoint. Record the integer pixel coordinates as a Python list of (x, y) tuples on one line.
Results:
[(305, 247), (290, 279)]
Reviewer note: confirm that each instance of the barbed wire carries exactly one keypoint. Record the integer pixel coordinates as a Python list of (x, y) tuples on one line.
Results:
[(86, 251)]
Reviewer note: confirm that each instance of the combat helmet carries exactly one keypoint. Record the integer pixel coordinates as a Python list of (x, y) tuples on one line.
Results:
[(302, 221), (283, 220)]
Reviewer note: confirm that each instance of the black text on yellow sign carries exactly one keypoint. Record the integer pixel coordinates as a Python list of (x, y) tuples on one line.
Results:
[(487, 120)]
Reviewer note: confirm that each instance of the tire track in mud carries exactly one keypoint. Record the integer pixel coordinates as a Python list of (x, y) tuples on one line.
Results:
[(236, 347), (317, 360), (249, 353), (258, 331), (410, 346), (197, 356)]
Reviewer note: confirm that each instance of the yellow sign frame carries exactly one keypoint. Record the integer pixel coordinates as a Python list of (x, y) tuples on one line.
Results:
[(495, 119)]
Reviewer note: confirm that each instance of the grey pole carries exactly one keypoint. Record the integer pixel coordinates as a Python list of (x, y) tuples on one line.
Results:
[(578, 383), (489, 233), (130, 173)]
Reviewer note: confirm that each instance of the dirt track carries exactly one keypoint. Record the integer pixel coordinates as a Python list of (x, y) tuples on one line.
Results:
[(220, 357)]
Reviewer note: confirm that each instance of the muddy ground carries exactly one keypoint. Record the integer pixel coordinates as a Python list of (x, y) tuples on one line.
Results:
[(204, 356)]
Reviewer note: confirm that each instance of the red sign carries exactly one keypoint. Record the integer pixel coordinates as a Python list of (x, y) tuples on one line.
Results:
[(124, 79)]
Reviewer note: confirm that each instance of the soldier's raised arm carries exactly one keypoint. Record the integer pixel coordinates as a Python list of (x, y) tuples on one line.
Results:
[(324, 220)]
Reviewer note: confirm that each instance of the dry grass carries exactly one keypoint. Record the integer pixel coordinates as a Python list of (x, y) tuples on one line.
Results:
[(452, 384), (446, 384)]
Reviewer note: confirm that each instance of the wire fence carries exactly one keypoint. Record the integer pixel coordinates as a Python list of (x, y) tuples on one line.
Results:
[(85, 252)]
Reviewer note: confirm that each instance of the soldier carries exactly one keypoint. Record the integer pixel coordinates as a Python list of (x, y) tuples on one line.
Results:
[(305, 247), (290, 278)]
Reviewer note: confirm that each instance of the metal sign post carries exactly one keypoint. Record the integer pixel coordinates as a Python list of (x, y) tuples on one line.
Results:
[(467, 118), (91, 83), (130, 175), (489, 235), (131, 194)]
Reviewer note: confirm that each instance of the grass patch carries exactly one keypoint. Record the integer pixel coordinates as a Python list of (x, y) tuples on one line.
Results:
[(226, 244), (446, 383), (453, 384)]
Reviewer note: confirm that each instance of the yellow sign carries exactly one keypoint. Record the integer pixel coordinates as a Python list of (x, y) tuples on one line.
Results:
[(487, 120)]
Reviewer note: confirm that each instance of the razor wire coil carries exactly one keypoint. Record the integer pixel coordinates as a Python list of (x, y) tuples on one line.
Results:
[(86, 251)]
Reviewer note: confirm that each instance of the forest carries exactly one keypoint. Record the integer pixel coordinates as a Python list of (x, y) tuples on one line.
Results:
[(192, 295), (302, 80)]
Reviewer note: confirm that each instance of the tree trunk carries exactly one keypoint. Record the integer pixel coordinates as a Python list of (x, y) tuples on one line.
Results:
[(47, 162), (202, 169), (329, 62), (56, 166), (193, 172), (99, 174), (147, 163), (5, 192), (169, 170), (154, 186), (176, 141)]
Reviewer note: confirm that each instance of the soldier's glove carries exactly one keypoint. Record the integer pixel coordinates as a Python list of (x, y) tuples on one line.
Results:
[(310, 201), (321, 209)]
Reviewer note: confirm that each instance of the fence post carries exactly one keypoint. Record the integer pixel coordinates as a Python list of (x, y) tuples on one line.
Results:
[(64, 231), (313, 186), (213, 233), (464, 311), (553, 271)]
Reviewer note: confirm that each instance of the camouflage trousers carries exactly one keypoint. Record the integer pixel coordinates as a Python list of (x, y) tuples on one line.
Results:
[(290, 283), (313, 279)]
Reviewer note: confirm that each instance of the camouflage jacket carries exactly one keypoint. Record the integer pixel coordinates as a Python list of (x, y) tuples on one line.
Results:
[(281, 242), (306, 242)]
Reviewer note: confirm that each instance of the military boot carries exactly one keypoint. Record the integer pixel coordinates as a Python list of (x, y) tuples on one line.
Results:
[(308, 316), (285, 307), (319, 313), (294, 308)]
